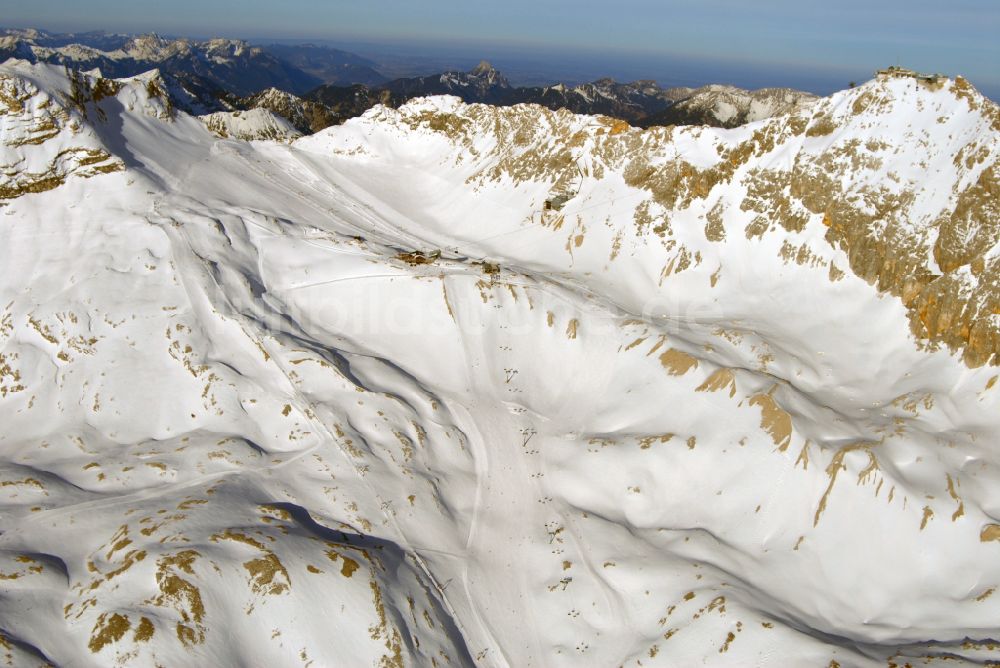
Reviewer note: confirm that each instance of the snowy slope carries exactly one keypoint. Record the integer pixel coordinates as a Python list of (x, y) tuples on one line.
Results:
[(729, 106), (734, 404), (253, 124)]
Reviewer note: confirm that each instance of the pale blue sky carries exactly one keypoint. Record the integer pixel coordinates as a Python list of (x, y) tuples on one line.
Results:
[(951, 36)]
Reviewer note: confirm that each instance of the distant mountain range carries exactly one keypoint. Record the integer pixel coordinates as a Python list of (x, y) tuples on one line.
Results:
[(313, 87), (232, 66), (641, 103)]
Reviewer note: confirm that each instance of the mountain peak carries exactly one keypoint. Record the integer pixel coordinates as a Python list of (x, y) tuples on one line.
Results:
[(149, 39), (483, 68), (485, 74), (153, 47)]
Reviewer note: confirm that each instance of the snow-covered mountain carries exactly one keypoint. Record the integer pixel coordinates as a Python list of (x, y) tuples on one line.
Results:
[(233, 65), (253, 125), (98, 39), (306, 116), (727, 106), (729, 398), (292, 67)]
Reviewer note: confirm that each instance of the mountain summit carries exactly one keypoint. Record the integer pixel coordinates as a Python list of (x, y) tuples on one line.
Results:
[(487, 72), (482, 69)]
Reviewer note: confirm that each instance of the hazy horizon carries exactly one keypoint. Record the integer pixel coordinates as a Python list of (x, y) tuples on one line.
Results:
[(683, 42), (539, 66)]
